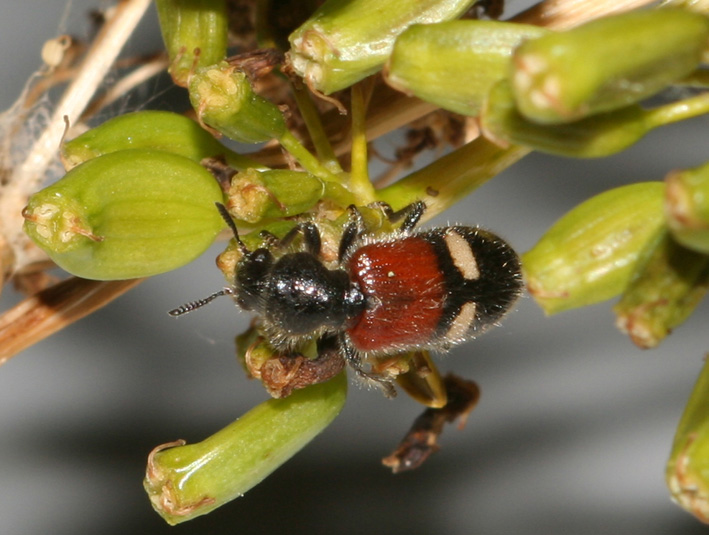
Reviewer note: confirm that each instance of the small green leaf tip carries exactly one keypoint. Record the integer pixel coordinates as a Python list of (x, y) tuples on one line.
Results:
[(589, 255), (606, 64), (187, 481), (127, 214)]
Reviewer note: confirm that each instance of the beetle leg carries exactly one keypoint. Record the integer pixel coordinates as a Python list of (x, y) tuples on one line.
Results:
[(269, 240), (355, 362), (411, 215), (353, 230), (311, 237)]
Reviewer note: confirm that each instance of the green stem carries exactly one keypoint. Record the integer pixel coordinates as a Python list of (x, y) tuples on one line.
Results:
[(678, 111), (359, 172), (306, 158), (339, 194), (323, 147), (448, 179)]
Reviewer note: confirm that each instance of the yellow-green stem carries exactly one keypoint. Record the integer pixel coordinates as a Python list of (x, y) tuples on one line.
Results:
[(449, 179), (359, 172), (678, 111), (313, 123), (306, 158)]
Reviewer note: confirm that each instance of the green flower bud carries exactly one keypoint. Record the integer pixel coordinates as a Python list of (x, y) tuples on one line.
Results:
[(454, 64), (668, 284), (126, 214), (256, 195), (589, 255), (687, 207), (224, 100), (195, 34), (593, 137), (347, 40), (687, 473), (159, 130), (186, 481), (606, 64)]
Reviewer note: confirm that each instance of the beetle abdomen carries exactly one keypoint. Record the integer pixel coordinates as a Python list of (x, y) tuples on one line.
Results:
[(432, 289)]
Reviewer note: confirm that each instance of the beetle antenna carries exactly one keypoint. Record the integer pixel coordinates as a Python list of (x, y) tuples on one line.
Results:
[(229, 221), (193, 305)]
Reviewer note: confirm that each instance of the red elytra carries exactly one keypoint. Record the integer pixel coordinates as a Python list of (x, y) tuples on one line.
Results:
[(403, 280)]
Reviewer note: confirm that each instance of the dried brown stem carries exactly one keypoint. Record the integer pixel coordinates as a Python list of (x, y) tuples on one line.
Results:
[(51, 310), (149, 68)]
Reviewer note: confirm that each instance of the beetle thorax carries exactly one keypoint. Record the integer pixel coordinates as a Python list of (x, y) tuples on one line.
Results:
[(303, 297)]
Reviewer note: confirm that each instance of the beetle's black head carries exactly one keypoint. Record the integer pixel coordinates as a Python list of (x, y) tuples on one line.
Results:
[(304, 297), (252, 276)]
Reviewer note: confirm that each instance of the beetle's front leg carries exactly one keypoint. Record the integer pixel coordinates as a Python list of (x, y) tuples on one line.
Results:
[(311, 238), (354, 360)]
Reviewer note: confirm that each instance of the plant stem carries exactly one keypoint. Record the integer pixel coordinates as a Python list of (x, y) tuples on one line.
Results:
[(315, 128), (306, 158), (359, 172), (678, 111), (51, 310), (450, 178)]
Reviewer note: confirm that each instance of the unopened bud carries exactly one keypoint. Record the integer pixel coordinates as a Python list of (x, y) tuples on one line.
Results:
[(606, 64), (224, 100), (256, 195), (126, 214), (593, 137), (347, 40), (454, 64), (159, 130), (589, 255), (687, 207), (187, 481), (687, 472), (195, 34), (667, 286)]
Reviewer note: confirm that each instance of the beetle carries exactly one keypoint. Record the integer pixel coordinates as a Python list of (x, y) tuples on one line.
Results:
[(408, 290)]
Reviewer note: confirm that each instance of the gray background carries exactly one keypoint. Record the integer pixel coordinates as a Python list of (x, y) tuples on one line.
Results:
[(571, 435)]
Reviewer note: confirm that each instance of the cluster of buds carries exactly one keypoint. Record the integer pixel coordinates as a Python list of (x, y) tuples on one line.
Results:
[(140, 192)]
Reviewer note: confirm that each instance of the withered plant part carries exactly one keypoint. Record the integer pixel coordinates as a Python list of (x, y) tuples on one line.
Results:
[(422, 439)]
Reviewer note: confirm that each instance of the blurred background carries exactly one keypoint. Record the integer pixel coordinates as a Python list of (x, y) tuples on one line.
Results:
[(571, 435)]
